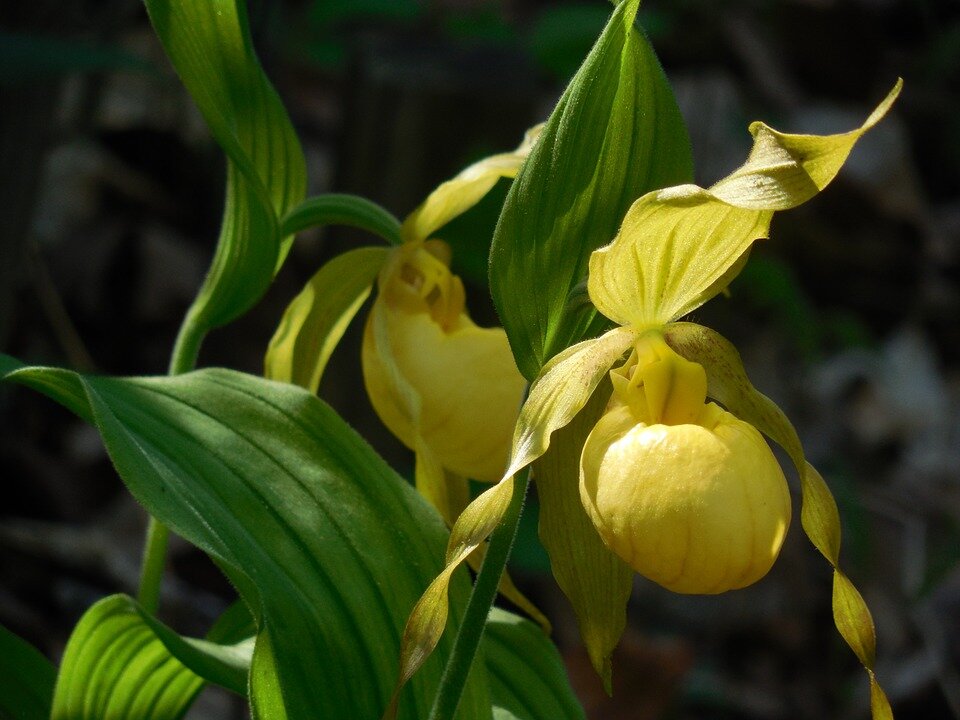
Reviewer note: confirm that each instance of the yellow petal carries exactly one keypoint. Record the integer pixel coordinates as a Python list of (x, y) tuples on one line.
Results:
[(728, 383), (563, 387), (455, 388), (676, 246), (461, 193), (697, 508), (596, 582), (314, 322)]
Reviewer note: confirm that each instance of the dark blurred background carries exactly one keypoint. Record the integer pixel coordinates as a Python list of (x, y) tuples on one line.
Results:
[(112, 194)]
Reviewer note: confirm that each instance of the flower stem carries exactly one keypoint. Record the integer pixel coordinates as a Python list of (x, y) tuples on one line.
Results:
[(478, 607), (183, 359)]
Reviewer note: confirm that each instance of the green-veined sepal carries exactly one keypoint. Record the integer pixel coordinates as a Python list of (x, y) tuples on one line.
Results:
[(314, 322), (459, 194), (675, 248), (727, 382)]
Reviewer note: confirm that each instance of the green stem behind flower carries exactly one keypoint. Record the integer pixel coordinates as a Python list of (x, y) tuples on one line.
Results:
[(475, 617), (183, 359)]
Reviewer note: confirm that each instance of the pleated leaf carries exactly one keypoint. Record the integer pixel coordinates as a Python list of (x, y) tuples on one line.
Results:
[(615, 135), (314, 322), (26, 680), (677, 247), (208, 42), (332, 546), (115, 668), (728, 383)]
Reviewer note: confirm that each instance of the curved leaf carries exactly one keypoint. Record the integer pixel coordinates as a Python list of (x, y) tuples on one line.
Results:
[(26, 680), (342, 209), (208, 42), (269, 481), (115, 668), (615, 134)]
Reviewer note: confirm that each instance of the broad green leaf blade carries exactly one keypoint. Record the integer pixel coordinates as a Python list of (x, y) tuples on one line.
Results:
[(596, 582), (342, 209), (527, 677), (115, 668), (269, 481), (680, 246), (208, 42), (615, 134), (728, 383), (26, 680), (314, 322)]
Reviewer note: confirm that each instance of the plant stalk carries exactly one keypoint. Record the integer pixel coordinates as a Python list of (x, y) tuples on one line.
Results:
[(184, 358), (478, 607)]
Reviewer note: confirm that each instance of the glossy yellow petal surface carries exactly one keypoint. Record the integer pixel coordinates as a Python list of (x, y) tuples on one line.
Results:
[(435, 377), (676, 245), (697, 508), (462, 192)]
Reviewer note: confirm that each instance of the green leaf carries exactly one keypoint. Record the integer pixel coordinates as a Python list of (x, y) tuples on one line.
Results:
[(26, 680), (341, 209), (314, 322), (122, 663), (333, 546), (208, 42), (615, 134), (527, 677), (115, 668)]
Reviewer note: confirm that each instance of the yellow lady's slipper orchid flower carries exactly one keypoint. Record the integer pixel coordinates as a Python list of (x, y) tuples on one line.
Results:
[(685, 492), (439, 382), (448, 389)]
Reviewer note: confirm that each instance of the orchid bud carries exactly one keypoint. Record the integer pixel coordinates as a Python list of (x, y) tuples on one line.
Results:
[(687, 494)]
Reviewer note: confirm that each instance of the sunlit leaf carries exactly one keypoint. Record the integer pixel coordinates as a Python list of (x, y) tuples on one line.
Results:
[(26, 680), (676, 246), (615, 134), (333, 545), (115, 667)]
